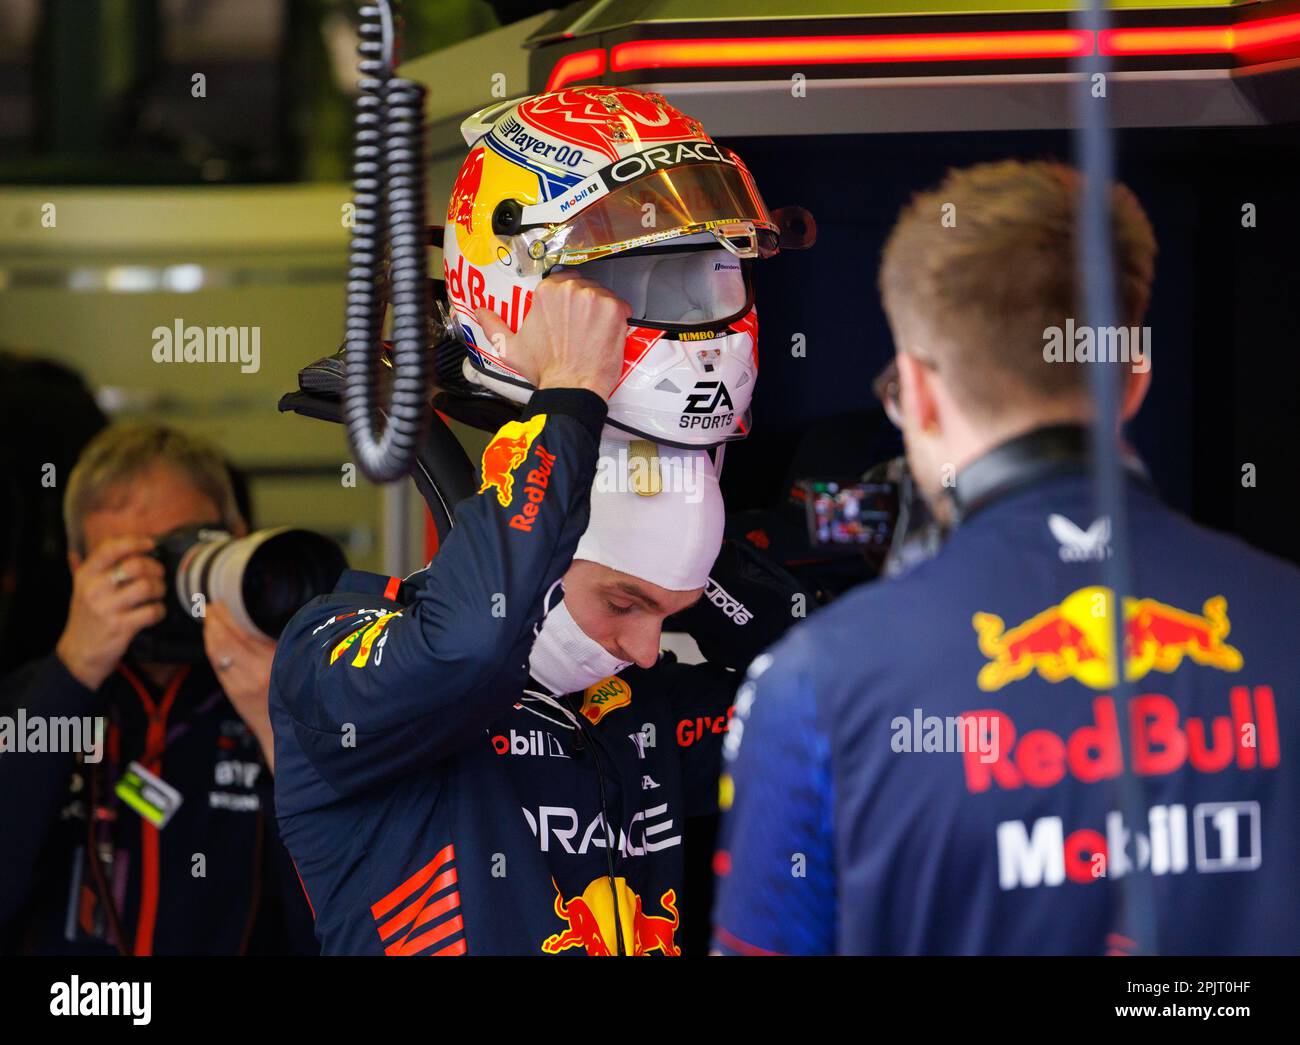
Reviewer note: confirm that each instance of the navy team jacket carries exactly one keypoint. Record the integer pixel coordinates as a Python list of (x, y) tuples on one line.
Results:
[(434, 802), (869, 818), (82, 874)]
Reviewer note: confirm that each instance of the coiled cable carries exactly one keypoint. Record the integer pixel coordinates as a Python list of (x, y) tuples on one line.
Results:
[(389, 219)]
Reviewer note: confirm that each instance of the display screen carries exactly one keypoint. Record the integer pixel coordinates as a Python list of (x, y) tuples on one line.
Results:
[(847, 514)]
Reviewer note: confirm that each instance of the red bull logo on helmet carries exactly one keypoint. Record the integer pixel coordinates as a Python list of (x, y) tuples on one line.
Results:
[(467, 290), (509, 449), (460, 211), (590, 923), (1072, 640), (485, 179)]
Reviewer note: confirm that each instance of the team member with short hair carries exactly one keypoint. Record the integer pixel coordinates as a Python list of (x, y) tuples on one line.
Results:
[(930, 765)]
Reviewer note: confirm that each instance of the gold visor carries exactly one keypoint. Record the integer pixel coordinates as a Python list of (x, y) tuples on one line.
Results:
[(719, 198)]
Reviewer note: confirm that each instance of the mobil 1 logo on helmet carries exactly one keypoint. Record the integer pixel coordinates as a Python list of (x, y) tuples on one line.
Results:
[(702, 407)]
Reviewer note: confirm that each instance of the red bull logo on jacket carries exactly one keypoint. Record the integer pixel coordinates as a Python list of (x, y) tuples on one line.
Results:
[(508, 449), (1162, 741), (535, 484), (590, 923), (1072, 640)]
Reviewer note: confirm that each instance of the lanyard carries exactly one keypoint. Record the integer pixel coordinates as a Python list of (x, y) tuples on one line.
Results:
[(101, 818)]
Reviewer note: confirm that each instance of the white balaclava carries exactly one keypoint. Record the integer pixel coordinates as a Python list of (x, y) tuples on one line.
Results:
[(656, 514)]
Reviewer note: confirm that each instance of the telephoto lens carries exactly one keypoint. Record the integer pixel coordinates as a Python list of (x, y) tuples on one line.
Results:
[(263, 578)]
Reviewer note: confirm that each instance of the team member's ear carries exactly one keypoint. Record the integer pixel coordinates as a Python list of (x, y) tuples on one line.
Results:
[(1136, 383), (916, 394)]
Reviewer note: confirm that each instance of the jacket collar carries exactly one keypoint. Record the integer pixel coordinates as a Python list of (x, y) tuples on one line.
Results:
[(1025, 460)]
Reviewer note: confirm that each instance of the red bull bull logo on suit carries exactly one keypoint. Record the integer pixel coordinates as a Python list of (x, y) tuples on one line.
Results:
[(508, 449), (1072, 640), (590, 924)]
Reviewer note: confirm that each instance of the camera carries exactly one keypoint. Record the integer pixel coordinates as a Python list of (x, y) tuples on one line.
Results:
[(263, 578)]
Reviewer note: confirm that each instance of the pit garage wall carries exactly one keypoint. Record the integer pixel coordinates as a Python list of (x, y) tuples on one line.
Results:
[(120, 262)]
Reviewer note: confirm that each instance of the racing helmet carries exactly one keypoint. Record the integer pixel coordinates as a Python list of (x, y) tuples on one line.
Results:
[(622, 186)]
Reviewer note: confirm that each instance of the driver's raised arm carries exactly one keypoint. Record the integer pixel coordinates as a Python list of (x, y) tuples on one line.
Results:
[(381, 677)]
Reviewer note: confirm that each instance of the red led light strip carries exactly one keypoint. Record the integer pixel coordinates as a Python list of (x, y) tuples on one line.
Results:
[(581, 65), (925, 47), (1203, 39), (854, 50)]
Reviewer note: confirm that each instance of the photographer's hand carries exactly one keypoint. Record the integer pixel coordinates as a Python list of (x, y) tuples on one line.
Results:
[(116, 592), (243, 666)]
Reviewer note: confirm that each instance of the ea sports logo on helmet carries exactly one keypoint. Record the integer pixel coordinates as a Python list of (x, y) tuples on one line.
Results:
[(708, 408), (708, 397)]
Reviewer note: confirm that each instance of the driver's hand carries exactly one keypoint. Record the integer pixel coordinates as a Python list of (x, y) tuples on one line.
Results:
[(572, 337)]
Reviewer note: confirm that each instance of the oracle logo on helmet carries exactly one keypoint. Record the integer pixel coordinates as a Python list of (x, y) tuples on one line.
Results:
[(665, 156)]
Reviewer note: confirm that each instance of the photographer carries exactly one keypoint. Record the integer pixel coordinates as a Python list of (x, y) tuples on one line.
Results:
[(82, 871)]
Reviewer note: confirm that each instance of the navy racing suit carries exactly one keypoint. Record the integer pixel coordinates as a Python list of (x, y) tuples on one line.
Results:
[(435, 801)]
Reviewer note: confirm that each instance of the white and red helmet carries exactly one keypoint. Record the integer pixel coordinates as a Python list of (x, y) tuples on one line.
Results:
[(624, 185)]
